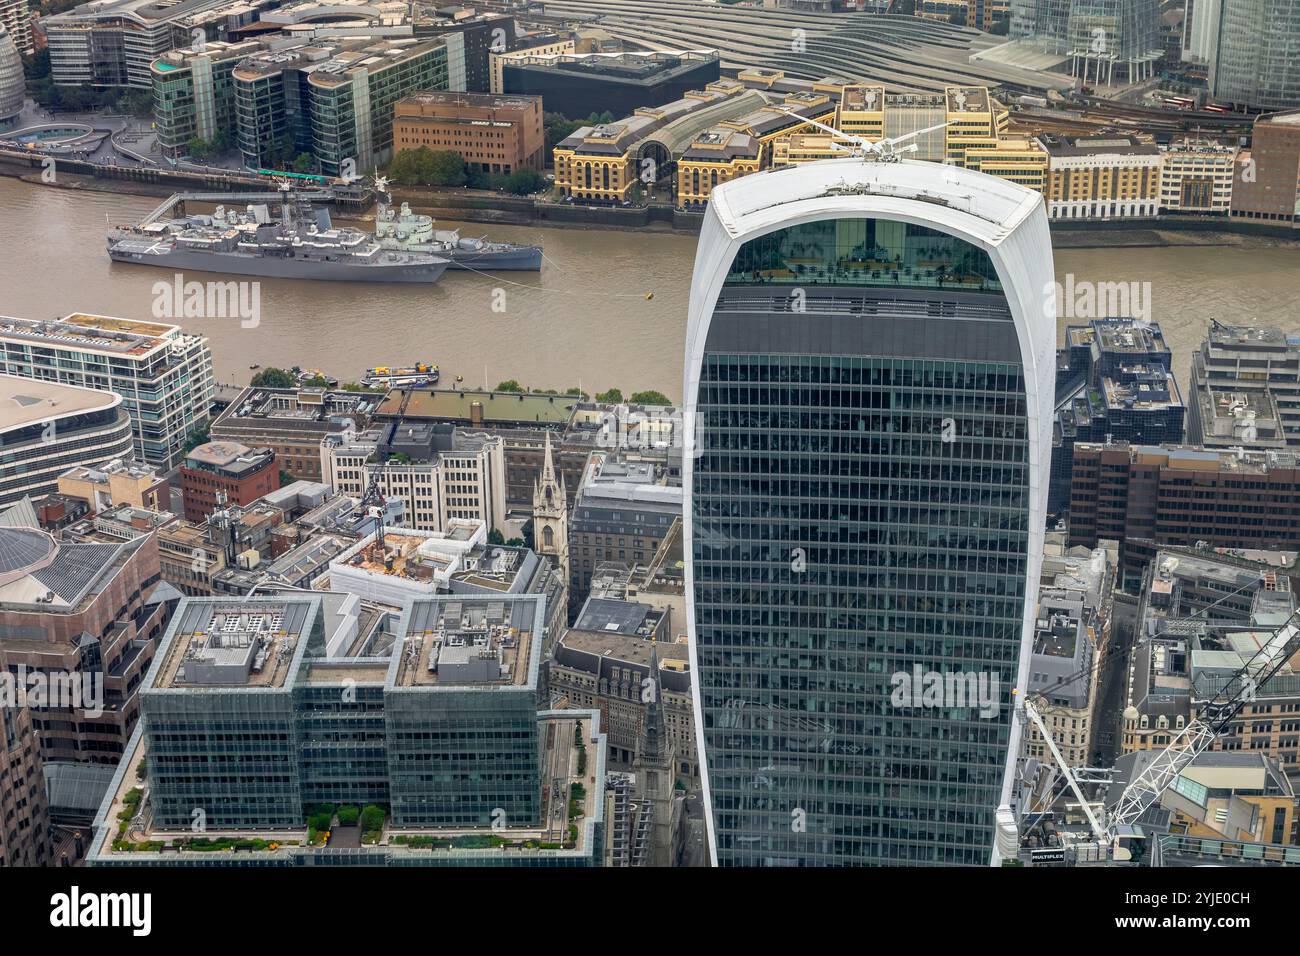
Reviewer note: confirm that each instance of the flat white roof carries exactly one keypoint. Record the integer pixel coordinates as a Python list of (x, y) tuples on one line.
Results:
[(29, 401)]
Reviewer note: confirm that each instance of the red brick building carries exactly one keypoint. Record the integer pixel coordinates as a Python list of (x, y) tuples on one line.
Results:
[(493, 134), (1169, 494), (86, 613), (224, 472)]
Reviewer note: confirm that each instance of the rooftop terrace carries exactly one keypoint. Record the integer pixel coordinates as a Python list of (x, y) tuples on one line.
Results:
[(248, 644), (450, 642)]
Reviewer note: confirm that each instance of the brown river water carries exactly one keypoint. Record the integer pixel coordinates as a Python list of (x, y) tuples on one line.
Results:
[(608, 308)]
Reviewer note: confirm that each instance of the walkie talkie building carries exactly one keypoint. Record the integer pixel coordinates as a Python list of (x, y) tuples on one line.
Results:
[(869, 387)]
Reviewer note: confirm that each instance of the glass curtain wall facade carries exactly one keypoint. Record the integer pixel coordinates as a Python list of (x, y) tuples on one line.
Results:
[(860, 525), (1257, 62)]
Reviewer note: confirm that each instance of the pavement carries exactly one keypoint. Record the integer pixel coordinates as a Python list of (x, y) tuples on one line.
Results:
[(132, 142)]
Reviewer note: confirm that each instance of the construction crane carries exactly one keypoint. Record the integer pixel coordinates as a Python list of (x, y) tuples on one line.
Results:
[(374, 502), (1213, 720)]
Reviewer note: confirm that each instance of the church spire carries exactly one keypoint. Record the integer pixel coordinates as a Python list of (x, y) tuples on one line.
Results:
[(652, 746)]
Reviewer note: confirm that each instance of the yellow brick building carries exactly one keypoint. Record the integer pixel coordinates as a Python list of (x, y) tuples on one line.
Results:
[(714, 157), (596, 162), (1102, 177)]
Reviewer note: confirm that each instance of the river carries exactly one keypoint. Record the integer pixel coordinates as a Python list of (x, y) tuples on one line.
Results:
[(608, 308)]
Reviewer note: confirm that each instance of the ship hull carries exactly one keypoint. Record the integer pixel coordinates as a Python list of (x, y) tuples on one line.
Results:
[(268, 267), (523, 259), (512, 259)]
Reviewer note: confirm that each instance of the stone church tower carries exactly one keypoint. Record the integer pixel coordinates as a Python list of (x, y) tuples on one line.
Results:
[(654, 766), (551, 513)]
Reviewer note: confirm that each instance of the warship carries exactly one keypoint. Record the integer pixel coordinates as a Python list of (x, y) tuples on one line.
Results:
[(301, 244), (404, 230)]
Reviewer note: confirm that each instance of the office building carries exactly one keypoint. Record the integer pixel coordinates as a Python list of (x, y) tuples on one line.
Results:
[(24, 810), (163, 374), (1245, 388), (440, 473), (470, 39), (1106, 42), (852, 476), (603, 663), (1114, 381), (194, 94), (119, 482), (526, 45), (13, 88), (1267, 183), (292, 422), (1201, 31), (1253, 66), (1203, 614), (577, 85), (47, 428), (1101, 177), (85, 618), (351, 99), (493, 134), (221, 473), (441, 730), (607, 161), (520, 419), (16, 20), (114, 43), (1108, 39), (623, 511), (331, 98), (1071, 635), (1182, 495), (1196, 176)]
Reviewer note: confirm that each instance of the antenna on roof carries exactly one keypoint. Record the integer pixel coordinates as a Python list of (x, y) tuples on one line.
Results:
[(887, 150)]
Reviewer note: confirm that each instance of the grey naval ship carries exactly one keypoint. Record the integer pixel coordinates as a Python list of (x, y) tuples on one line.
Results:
[(411, 232), (301, 244)]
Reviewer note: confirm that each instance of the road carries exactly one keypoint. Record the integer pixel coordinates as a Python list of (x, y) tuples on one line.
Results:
[(1112, 686)]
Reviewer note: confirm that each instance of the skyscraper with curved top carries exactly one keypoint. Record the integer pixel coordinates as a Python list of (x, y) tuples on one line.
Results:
[(869, 389)]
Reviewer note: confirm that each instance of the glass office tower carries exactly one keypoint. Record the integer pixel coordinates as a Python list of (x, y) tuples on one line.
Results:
[(869, 385)]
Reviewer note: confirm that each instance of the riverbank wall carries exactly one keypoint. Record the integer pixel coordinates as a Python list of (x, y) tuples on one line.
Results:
[(480, 206)]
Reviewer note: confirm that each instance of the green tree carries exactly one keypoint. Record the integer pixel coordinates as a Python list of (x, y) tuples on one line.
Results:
[(524, 182), (496, 537), (509, 385), (649, 397), (447, 168), (559, 127), (613, 397), (577, 392), (428, 167), (272, 378), (304, 163), (197, 147)]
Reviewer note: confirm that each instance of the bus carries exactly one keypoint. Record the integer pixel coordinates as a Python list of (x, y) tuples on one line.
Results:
[(301, 177)]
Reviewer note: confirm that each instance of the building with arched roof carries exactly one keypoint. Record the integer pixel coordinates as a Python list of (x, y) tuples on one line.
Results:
[(869, 384)]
